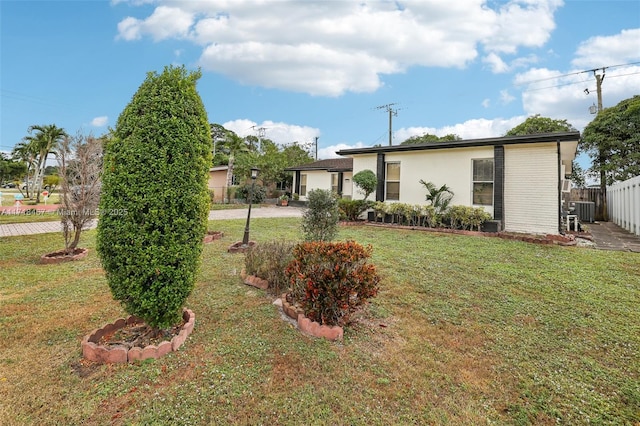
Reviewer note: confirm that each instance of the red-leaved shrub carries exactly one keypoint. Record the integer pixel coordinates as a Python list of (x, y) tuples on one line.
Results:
[(329, 280)]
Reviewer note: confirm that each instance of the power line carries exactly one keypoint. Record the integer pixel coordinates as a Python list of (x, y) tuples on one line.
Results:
[(577, 82), (576, 73)]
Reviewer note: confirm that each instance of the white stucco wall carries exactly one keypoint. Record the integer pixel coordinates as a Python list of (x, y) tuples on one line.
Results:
[(531, 188), (347, 184), (451, 167), (321, 179)]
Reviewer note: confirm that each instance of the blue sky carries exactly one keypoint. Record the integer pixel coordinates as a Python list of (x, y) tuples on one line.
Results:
[(306, 69)]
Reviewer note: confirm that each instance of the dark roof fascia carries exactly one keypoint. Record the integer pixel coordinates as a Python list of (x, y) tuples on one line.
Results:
[(506, 140), (329, 169), (344, 164)]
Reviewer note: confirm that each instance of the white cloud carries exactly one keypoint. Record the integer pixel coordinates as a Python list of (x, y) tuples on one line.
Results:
[(486, 103), (496, 63), (522, 23), (278, 132), (470, 129), (557, 95), (330, 151), (609, 50), (165, 22), (100, 121), (506, 97), (330, 48)]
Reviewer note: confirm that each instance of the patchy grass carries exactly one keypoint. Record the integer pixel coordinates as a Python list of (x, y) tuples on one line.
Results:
[(465, 330)]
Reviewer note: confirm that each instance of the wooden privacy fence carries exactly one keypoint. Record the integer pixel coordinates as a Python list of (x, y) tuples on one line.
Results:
[(623, 202), (595, 195)]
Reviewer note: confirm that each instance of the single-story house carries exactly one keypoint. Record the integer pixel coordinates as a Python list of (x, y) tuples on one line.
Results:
[(333, 173), (519, 180)]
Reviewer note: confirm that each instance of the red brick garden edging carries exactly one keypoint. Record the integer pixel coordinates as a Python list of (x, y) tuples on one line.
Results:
[(93, 351), (313, 328)]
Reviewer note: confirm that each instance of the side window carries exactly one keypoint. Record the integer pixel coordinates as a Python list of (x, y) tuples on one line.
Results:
[(483, 182), (392, 181), (334, 182), (303, 185)]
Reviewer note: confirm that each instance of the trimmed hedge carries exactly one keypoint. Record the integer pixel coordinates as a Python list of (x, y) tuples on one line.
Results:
[(155, 201)]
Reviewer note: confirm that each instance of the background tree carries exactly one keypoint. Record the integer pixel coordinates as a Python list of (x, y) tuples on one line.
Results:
[(11, 169), (80, 164), (44, 140), (612, 141), (26, 153), (366, 182), (155, 202), (537, 124), (428, 138)]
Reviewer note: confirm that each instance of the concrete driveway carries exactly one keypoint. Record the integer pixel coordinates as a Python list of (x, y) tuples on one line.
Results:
[(16, 229)]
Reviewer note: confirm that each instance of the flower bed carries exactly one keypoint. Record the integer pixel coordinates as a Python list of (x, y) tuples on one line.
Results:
[(93, 350)]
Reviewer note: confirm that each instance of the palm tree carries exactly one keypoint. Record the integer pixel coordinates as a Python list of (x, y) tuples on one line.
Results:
[(46, 140), (24, 151), (438, 197)]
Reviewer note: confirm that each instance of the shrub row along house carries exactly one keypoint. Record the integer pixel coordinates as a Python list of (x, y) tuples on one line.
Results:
[(519, 180)]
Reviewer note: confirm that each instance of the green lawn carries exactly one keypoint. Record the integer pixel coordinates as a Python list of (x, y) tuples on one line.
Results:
[(465, 330)]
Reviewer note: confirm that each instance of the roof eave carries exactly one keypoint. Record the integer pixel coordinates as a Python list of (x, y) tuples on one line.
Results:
[(506, 140)]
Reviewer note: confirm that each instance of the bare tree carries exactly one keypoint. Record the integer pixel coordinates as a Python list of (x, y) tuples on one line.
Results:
[(80, 162)]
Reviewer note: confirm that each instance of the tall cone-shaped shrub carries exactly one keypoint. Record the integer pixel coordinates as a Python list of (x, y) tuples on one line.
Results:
[(154, 204)]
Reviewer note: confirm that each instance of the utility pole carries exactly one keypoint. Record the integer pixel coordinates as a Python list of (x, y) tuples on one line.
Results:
[(260, 134), (391, 112), (603, 175), (317, 137)]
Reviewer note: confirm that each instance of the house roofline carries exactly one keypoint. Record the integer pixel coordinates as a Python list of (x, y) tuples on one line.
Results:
[(505, 140), (324, 165)]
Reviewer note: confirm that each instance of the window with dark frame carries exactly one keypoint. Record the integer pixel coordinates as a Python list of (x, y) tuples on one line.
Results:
[(392, 181), (483, 182)]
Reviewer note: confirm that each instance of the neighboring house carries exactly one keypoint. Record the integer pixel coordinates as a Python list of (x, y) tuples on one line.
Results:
[(218, 182), (519, 180), (333, 173)]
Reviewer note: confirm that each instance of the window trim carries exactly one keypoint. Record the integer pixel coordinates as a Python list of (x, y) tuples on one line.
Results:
[(492, 181), (387, 180), (334, 188), (303, 184)]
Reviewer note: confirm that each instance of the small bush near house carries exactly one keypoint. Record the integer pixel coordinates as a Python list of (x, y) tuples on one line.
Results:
[(269, 261), (320, 220), (330, 280), (352, 209), (258, 193), (463, 217), (456, 217), (366, 182)]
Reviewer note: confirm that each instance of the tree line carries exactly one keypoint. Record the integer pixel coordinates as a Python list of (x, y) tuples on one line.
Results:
[(611, 140)]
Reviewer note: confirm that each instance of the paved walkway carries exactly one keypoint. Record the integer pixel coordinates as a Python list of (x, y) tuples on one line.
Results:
[(16, 229), (609, 236)]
